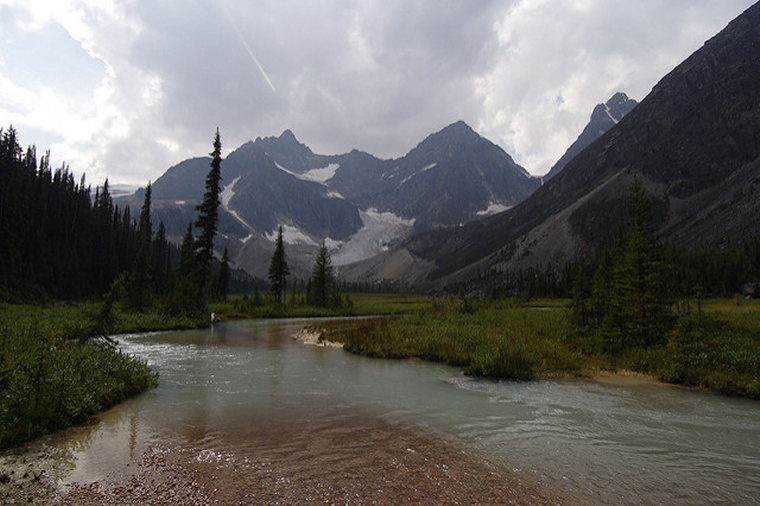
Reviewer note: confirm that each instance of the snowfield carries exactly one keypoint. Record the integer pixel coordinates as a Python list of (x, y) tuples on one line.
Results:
[(321, 175), (226, 196), (493, 208), (291, 235), (378, 231)]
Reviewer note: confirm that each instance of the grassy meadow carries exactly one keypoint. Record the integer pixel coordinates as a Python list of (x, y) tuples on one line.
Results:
[(717, 349), (50, 378)]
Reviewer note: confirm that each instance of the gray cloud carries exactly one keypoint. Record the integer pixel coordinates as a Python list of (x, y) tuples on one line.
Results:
[(375, 75)]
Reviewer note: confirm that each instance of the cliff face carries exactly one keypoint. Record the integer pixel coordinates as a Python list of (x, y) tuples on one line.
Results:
[(604, 117), (692, 142)]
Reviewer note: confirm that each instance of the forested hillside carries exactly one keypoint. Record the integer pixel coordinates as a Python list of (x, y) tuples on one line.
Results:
[(58, 239)]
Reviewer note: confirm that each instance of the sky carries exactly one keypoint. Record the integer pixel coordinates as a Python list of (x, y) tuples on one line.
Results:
[(125, 89)]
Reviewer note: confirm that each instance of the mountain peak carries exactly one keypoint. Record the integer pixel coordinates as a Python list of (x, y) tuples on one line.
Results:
[(288, 136), (456, 133), (459, 128), (603, 117), (617, 99)]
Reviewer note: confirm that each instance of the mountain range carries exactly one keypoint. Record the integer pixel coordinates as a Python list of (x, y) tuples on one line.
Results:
[(355, 202), (604, 117), (692, 143)]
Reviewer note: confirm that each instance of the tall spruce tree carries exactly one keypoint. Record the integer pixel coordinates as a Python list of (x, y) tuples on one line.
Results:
[(639, 309), (278, 271), (207, 221), (223, 279), (139, 281), (161, 260), (322, 278)]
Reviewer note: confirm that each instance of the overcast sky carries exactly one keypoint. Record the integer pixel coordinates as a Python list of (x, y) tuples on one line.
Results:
[(126, 88)]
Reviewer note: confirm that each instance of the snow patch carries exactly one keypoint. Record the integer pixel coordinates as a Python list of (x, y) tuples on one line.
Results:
[(248, 238), (493, 208), (407, 178), (333, 243), (379, 229), (332, 194), (180, 202), (315, 175), (228, 192), (291, 235), (226, 196), (286, 170), (607, 110), (321, 175), (427, 167)]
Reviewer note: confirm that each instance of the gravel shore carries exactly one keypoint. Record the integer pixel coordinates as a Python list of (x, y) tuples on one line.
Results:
[(365, 461)]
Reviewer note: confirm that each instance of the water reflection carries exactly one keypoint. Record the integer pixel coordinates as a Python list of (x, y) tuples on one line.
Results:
[(614, 443)]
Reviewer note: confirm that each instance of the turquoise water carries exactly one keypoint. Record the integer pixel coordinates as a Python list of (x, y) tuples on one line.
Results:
[(602, 443)]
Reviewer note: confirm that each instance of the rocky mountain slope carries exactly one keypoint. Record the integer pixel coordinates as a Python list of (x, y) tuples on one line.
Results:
[(692, 142), (603, 117), (357, 203)]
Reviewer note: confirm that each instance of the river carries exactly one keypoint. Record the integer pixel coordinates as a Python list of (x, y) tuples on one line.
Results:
[(595, 442)]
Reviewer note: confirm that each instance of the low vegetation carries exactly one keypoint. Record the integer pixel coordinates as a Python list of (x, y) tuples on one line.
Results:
[(51, 377), (492, 339), (717, 349)]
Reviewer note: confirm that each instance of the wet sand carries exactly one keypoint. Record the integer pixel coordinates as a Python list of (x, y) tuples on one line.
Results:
[(361, 460)]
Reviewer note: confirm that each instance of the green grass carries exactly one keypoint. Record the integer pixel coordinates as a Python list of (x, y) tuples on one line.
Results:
[(49, 379), (496, 340), (718, 350), (361, 305)]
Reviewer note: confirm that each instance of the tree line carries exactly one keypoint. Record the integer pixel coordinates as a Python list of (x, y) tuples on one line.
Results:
[(62, 242), (59, 241)]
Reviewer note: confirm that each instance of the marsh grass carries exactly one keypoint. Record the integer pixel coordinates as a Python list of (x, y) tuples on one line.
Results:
[(486, 339), (50, 378), (241, 307), (717, 350)]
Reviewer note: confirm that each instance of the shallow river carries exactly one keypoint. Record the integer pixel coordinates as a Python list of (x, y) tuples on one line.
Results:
[(602, 442)]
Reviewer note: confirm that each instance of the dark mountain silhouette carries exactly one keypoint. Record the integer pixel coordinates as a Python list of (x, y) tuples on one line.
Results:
[(451, 177), (693, 144), (604, 117)]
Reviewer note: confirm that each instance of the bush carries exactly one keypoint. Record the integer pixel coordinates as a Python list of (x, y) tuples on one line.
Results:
[(49, 381)]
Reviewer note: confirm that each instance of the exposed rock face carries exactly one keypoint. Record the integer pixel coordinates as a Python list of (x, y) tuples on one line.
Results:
[(451, 177), (693, 144), (604, 117)]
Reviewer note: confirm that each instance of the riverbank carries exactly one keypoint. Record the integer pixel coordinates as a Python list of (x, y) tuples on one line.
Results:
[(360, 460), (716, 350), (55, 372)]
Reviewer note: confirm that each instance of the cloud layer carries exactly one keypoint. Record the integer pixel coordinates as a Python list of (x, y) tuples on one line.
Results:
[(126, 89)]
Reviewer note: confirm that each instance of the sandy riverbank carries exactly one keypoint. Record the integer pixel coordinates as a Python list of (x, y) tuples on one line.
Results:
[(362, 460), (315, 338)]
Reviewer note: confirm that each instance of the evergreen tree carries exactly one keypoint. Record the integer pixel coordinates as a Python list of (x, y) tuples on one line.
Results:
[(182, 298), (637, 309), (223, 281), (161, 260), (207, 221), (322, 278), (139, 281), (278, 271), (186, 254)]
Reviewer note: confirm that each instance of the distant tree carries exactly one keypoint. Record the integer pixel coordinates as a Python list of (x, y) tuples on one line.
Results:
[(223, 279), (207, 221), (183, 297), (139, 280), (640, 308), (161, 260), (629, 303), (278, 271), (187, 254), (322, 279)]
